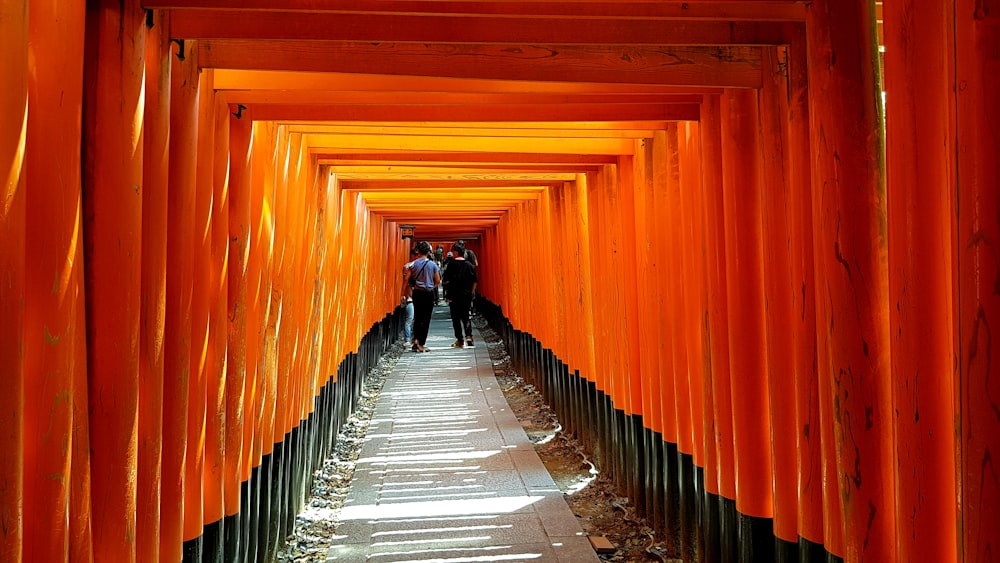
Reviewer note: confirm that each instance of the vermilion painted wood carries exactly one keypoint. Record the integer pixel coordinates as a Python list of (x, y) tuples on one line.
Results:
[(579, 225), (779, 10), (201, 306), (269, 297), (977, 34), (430, 28), (920, 170), (664, 274), (745, 299), (851, 247), (177, 363), (689, 154), (13, 132), (649, 283), (55, 409), (155, 170), (215, 430), (778, 240), (112, 227), (727, 66), (632, 369), (675, 249), (808, 431), (239, 248), (255, 309), (710, 184)]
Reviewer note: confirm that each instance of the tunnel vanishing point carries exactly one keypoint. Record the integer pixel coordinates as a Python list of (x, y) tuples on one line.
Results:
[(763, 291)]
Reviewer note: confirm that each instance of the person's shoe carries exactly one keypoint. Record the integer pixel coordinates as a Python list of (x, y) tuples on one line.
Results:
[(415, 347), (470, 343), (457, 344)]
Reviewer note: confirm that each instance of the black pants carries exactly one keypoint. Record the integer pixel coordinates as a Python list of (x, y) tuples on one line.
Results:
[(460, 317), (423, 307)]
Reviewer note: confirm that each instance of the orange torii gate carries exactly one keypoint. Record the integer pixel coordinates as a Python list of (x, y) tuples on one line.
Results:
[(769, 317)]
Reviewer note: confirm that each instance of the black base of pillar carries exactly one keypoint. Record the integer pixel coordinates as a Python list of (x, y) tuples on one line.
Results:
[(193, 550), (711, 533), (729, 531), (231, 531), (689, 525), (214, 549), (756, 539), (785, 551), (812, 552)]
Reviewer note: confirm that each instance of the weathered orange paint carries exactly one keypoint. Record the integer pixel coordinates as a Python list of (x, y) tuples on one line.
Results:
[(112, 227), (779, 292), (155, 170), (13, 133), (710, 184), (54, 289), (808, 433), (851, 247), (675, 248), (215, 428), (977, 36), (632, 368), (201, 304), (649, 284), (236, 312), (693, 265), (177, 358), (920, 169), (745, 298), (663, 270)]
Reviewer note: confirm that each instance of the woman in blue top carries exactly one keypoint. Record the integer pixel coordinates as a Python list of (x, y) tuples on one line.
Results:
[(427, 276)]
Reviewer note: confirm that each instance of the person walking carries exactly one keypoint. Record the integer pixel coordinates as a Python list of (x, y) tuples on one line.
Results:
[(459, 286), (407, 300), (424, 278)]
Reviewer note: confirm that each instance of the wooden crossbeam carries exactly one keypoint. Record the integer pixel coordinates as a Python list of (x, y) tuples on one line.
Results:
[(381, 97), (435, 28), (470, 144), (477, 130), (737, 67), (483, 112), (254, 79), (726, 10), (443, 157)]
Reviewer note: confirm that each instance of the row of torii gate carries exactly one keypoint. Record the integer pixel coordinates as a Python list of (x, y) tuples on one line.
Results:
[(692, 219)]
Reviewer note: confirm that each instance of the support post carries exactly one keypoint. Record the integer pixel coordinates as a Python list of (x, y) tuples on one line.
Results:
[(112, 228), (851, 254)]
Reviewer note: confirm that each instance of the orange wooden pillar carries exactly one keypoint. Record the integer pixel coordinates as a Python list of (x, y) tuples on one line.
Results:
[(745, 298), (852, 275), (215, 428), (177, 364), (239, 248), (780, 295), (201, 304), (721, 519), (977, 33), (112, 227), (650, 290), (13, 133), (691, 233), (919, 79), (55, 357), (155, 169), (809, 445), (665, 272)]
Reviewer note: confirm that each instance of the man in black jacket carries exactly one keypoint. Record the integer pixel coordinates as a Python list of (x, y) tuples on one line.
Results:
[(459, 286)]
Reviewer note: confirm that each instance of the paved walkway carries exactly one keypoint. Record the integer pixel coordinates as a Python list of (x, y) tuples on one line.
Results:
[(447, 473)]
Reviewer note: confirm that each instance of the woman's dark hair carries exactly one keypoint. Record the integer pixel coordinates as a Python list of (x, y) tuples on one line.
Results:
[(424, 247), (458, 248)]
